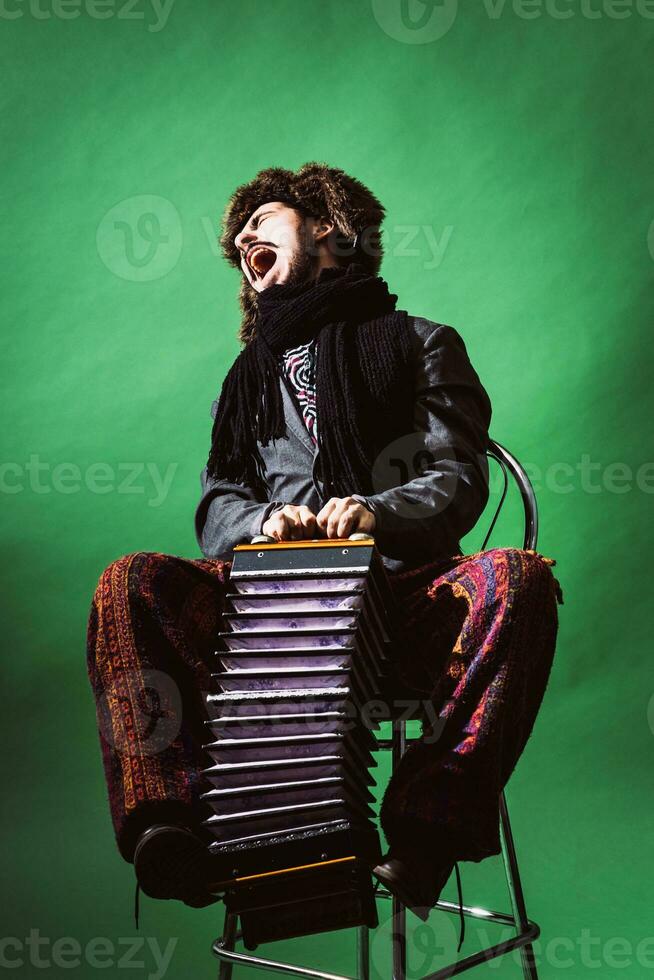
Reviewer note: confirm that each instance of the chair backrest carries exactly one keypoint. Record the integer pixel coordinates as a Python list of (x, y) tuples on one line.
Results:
[(509, 462)]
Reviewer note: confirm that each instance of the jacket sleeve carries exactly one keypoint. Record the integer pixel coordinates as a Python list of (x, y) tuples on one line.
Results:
[(228, 513), (434, 482)]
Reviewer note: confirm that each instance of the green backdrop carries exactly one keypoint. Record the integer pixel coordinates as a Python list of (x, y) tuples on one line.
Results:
[(512, 146)]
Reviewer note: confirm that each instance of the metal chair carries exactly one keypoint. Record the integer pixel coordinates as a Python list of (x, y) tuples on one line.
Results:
[(526, 930)]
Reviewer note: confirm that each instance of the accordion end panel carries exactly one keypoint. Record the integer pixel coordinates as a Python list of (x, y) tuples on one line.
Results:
[(306, 642)]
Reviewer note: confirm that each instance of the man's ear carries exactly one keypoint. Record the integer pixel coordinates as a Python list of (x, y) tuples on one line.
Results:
[(324, 226)]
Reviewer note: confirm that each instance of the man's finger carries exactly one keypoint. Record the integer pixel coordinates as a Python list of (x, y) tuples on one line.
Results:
[(280, 527), (347, 522), (323, 515), (308, 519), (296, 530), (334, 518), (285, 529)]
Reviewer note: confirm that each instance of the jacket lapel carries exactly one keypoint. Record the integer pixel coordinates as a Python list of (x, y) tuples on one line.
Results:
[(295, 422)]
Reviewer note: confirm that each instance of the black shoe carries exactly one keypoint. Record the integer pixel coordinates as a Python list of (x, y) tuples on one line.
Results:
[(172, 862), (417, 884)]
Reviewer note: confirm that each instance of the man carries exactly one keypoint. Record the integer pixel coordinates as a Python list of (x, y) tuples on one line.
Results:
[(340, 414)]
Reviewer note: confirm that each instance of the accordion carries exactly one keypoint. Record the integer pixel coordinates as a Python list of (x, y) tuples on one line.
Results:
[(308, 632)]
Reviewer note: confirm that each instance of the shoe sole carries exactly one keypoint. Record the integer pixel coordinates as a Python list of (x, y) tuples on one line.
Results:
[(397, 886), (173, 863)]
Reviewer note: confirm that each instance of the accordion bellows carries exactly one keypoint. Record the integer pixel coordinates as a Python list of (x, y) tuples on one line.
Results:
[(308, 630)]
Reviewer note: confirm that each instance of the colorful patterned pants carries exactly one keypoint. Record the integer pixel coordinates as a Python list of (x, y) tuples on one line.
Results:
[(479, 639)]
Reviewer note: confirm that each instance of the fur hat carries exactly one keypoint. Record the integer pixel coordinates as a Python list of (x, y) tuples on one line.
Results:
[(315, 189)]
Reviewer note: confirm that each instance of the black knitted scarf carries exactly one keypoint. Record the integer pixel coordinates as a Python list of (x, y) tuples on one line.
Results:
[(364, 395)]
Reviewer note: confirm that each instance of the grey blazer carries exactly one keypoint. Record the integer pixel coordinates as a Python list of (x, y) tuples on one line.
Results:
[(432, 485)]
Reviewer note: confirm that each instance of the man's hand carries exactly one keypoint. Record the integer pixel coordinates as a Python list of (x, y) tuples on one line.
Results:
[(342, 516), (291, 523)]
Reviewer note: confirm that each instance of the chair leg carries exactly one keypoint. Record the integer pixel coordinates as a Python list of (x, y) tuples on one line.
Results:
[(398, 911), (228, 942), (514, 885), (363, 953), (398, 939)]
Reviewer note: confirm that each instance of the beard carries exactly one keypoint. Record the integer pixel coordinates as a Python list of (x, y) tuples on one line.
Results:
[(303, 266)]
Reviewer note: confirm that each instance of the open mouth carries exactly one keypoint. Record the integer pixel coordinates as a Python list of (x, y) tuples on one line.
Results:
[(260, 260)]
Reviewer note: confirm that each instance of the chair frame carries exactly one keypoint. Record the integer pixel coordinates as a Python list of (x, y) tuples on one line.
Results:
[(527, 931)]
